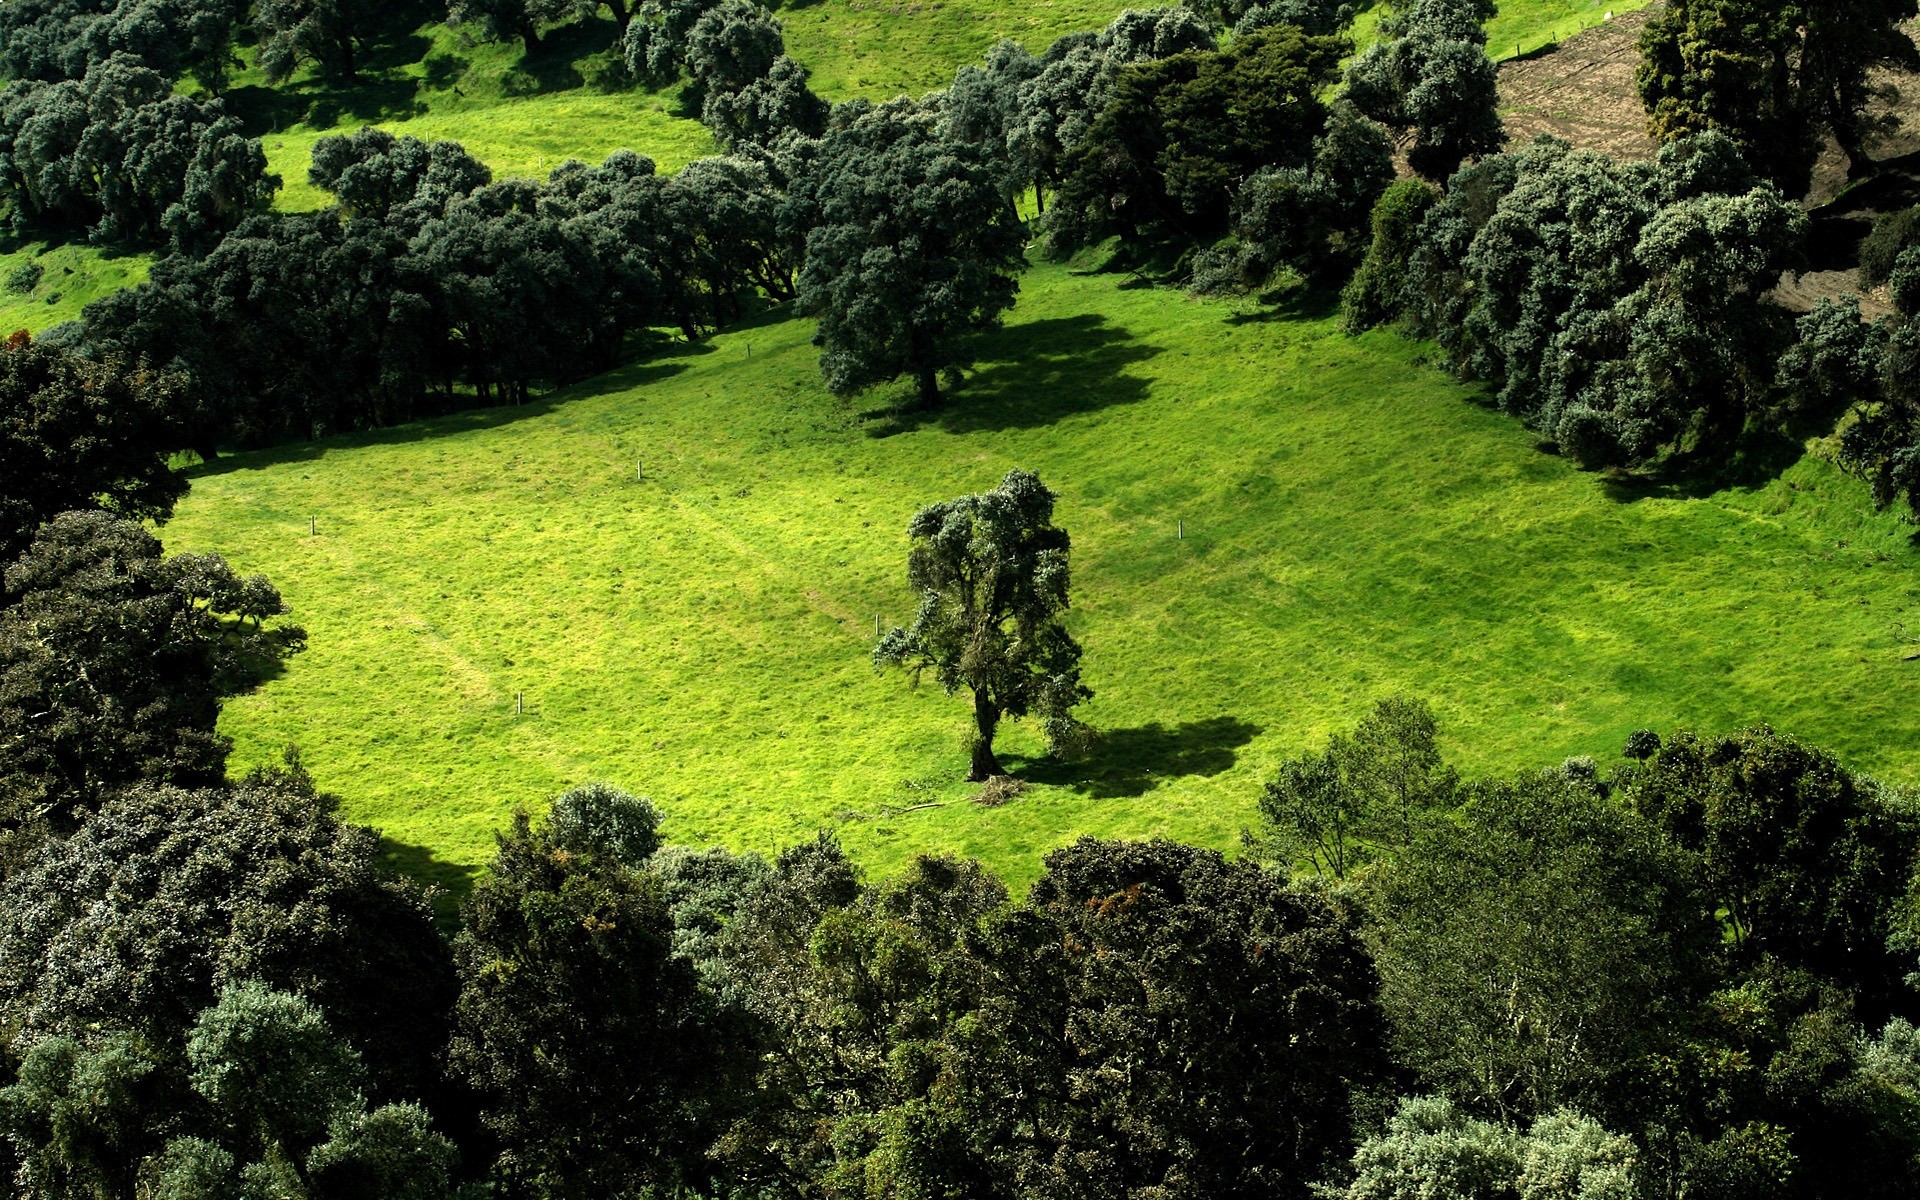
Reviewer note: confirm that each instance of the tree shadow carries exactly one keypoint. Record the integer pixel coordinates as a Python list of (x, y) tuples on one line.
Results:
[(1038, 373), (553, 65), (1132, 762), (464, 421), (1314, 302), (451, 881)]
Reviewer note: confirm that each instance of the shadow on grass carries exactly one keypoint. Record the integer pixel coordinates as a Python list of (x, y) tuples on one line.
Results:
[(1055, 368), (1315, 303), (1132, 762), (420, 863), (465, 421), (379, 91), (1759, 457)]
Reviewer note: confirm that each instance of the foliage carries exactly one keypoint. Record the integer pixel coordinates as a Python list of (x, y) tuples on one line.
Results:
[(1619, 308), (936, 1039), (119, 155), (81, 434), (1772, 74), (1179, 135), (1369, 792), (164, 897), (327, 33), (1308, 218), (1532, 953), (53, 40), (267, 1084), (1808, 862), (991, 570), (1431, 1148), (586, 1036), (113, 662), (910, 247), (1378, 287), (1430, 79)]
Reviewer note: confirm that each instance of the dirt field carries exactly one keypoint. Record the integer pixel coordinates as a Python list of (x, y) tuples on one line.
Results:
[(1583, 91)]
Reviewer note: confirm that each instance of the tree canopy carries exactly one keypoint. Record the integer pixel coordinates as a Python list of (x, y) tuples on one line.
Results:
[(911, 247), (992, 573)]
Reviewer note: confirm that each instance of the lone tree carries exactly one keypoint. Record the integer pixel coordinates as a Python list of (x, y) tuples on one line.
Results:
[(992, 573), (913, 245)]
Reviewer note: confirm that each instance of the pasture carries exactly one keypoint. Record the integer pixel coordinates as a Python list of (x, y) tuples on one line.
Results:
[(1274, 525)]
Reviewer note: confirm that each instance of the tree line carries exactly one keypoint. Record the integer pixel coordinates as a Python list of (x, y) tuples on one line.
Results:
[(1682, 975), (1688, 972)]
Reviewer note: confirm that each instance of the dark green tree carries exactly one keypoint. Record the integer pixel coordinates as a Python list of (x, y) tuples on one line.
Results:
[(113, 663), (912, 246), (1161, 1021), (1179, 135), (119, 154), (733, 45), (377, 176), (268, 1089), (165, 896), (78, 434), (1535, 951), (1772, 74), (761, 112), (1055, 108), (1367, 794), (991, 570), (1809, 862), (328, 33), (655, 42), (587, 1037), (1312, 218), (1378, 290), (1430, 79), (499, 20)]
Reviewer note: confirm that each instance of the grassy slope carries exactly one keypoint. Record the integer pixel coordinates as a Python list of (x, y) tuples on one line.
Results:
[(73, 276), (523, 116), (1355, 525), (520, 114)]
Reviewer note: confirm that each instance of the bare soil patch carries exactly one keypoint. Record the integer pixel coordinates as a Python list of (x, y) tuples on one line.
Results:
[(1582, 90)]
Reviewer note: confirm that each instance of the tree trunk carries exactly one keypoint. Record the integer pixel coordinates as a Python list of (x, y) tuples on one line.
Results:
[(986, 717), (1039, 197), (620, 15), (929, 381), (529, 35)]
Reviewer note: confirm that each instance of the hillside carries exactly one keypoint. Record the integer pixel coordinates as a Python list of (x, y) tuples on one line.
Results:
[(1355, 524), (523, 115)]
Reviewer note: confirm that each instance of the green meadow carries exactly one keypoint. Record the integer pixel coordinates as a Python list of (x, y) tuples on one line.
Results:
[(1274, 525), (524, 114), (72, 276)]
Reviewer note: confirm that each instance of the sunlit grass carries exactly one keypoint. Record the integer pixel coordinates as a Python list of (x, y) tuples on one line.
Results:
[(72, 276), (1355, 524)]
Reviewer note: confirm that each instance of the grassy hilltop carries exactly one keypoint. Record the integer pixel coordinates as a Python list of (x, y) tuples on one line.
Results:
[(1355, 524), (523, 115)]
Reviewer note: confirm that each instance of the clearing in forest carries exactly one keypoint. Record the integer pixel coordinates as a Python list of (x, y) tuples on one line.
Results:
[(1355, 524)]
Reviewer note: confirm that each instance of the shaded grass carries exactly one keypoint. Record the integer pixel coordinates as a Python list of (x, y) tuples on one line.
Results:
[(1355, 523), (73, 275)]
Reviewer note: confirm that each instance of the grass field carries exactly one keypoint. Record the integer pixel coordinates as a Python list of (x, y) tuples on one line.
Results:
[(1355, 525), (72, 276), (524, 114)]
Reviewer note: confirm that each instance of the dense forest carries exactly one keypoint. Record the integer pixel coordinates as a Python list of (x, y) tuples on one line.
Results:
[(1691, 971)]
